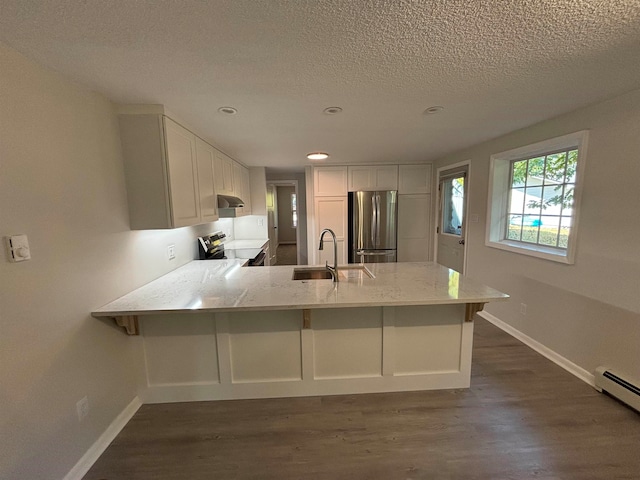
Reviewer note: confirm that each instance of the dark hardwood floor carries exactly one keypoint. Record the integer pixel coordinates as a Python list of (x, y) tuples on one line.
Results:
[(523, 418)]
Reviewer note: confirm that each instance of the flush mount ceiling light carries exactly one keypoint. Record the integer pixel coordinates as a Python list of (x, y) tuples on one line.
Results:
[(228, 110), (433, 110), (317, 156), (332, 110)]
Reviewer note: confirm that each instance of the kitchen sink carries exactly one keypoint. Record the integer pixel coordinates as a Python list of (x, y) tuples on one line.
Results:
[(321, 273), (311, 274)]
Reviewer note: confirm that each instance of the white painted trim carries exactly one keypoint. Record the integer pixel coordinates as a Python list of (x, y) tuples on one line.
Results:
[(290, 183), (543, 350), (438, 205), (100, 445), (498, 197)]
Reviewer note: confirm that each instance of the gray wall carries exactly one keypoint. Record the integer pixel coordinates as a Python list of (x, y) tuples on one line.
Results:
[(587, 312), (62, 184)]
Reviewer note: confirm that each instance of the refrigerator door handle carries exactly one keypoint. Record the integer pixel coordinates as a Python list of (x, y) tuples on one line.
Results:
[(374, 219), (365, 253), (377, 244)]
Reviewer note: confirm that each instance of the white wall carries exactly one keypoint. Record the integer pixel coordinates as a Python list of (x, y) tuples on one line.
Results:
[(587, 312), (62, 184)]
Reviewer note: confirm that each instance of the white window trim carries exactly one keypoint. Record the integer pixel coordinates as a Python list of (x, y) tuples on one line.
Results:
[(498, 197)]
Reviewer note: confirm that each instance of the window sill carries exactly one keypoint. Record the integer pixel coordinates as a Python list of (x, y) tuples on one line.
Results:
[(538, 251)]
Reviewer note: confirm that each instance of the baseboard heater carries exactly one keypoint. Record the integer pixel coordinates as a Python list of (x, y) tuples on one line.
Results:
[(618, 387)]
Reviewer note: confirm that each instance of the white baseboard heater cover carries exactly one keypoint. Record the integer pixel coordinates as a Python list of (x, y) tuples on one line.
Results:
[(622, 389)]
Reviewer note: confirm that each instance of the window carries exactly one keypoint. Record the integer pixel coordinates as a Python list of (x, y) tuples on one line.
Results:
[(453, 204), (294, 211), (533, 198)]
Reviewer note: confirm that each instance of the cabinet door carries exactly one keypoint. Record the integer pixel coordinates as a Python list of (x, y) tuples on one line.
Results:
[(223, 174), (371, 178), (330, 181), (183, 174), (246, 191), (326, 254), (414, 228), (360, 179), (331, 212), (385, 177), (205, 155), (414, 179)]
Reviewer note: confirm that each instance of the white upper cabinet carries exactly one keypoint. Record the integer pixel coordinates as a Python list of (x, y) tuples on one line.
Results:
[(162, 173), (414, 179), (224, 174), (246, 191), (371, 178), (330, 181), (206, 156), (183, 174)]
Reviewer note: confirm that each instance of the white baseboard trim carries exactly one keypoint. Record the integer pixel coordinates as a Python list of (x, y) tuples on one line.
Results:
[(88, 459), (556, 358)]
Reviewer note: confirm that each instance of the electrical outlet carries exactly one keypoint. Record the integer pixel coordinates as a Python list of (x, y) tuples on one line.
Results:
[(260, 222), (82, 408), (523, 309), (171, 252)]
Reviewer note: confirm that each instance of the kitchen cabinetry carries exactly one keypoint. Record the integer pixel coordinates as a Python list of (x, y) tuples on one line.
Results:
[(224, 174), (205, 155), (414, 179), (329, 181), (372, 178), (331, 212), (162, 173), (414, 227)]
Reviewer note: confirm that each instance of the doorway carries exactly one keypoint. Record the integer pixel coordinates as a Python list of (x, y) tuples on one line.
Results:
[(453, 193), (284, 221)]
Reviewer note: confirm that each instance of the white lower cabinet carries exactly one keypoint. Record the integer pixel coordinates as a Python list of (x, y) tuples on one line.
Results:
[(414, 228)]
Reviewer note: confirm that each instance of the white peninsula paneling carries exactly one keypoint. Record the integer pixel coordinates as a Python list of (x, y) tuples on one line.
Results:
[(265, 347), (347, 343), (180, 348)]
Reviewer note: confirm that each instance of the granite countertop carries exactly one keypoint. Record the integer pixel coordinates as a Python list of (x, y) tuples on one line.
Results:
[(225, 286)]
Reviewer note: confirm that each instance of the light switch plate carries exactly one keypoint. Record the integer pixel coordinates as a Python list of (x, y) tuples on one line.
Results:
[(18, 248)]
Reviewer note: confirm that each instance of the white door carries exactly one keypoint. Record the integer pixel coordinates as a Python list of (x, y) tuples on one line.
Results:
[(452, 190)]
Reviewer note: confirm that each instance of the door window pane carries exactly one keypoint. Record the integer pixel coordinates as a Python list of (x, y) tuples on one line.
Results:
[(453, 205)]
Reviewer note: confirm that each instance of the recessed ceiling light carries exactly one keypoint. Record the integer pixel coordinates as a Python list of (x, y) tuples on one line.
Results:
[(228, 110), (332, 110), (434, 109), (317, 156)]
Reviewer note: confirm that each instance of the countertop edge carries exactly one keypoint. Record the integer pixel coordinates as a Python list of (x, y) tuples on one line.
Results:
[(402, 303)]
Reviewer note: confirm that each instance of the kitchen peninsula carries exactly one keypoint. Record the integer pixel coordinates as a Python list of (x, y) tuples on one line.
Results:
[(215, 330)]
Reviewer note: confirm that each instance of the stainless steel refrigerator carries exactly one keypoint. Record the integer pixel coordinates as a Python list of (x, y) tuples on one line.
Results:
[(373, 225)]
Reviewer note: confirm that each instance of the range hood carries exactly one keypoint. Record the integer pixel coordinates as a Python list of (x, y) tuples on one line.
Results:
[(228, 201), (227, 205)]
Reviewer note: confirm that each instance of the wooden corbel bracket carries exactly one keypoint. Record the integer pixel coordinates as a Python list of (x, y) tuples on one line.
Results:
[(471, 310), (129, 323)]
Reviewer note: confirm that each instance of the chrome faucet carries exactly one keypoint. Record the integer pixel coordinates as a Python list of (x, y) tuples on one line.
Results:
[(334, 269)]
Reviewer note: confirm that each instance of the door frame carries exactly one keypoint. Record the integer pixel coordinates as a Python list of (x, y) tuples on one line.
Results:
[(289, 183), (438, 212)]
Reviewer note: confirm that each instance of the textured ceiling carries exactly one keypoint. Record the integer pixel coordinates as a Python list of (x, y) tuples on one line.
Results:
[(495, 65)]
